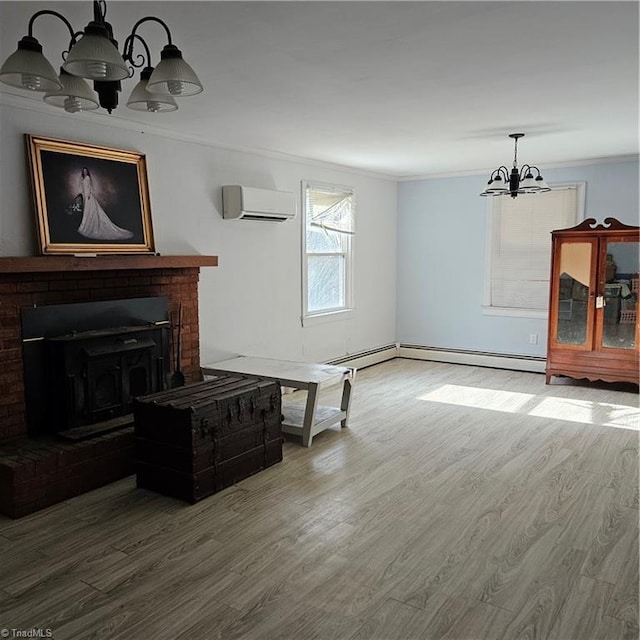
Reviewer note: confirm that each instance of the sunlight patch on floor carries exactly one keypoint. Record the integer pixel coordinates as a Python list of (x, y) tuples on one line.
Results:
[(584, 411)]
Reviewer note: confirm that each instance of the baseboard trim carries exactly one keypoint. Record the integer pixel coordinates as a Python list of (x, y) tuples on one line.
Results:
[(369, 357), (534, 364)]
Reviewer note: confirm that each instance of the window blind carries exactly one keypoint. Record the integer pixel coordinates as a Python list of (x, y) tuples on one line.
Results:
[(330, 210), (521, 245)]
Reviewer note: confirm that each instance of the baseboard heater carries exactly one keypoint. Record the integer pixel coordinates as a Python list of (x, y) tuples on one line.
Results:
[(534, 364), (369, 357)]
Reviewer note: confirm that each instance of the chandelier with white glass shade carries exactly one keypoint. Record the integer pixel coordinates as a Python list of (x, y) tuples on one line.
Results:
[(93, 55), (518, 181)]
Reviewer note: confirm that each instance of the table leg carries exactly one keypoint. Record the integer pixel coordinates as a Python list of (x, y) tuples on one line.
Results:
[(345, 404), (309, 414)]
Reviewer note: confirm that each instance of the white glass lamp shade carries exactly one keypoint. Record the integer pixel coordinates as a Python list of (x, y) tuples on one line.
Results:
[(28, 69), (94, 56), (495, 187), (76, 95), (542, 185), (141, 99), (173, 76), (528, 185)]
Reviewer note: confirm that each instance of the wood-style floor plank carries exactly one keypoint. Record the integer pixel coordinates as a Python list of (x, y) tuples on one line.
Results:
[(461, 504), (583, 615), (389, 621), (542, 600)]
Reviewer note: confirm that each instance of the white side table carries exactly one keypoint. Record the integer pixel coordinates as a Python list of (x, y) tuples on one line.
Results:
[(312, 419)]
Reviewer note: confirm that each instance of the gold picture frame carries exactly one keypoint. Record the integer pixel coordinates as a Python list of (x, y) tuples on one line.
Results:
[(89, 199)]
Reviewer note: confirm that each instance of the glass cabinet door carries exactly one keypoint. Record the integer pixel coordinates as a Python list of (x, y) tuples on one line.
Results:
[(619, 319), (574, 293)]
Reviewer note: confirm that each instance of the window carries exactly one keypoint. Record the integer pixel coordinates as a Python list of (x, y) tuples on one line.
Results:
[(519, 248), (327, 245)]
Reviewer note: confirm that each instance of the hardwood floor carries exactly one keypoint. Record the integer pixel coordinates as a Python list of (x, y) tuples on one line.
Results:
[(462, 503)]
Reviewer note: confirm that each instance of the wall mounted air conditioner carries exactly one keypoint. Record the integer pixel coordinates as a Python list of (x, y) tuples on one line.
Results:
[(249, 203)]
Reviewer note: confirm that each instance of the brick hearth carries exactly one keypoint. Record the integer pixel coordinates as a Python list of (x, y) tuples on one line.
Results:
[(38, 472)]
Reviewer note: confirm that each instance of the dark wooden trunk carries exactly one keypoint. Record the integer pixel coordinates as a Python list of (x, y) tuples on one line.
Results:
[(196, 440)]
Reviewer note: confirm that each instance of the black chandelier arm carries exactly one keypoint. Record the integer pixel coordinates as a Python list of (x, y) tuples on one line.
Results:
[(152, 19), (502, 171), (528, 168), (531, 167), (524, 170), (47, 12), (128, 51)]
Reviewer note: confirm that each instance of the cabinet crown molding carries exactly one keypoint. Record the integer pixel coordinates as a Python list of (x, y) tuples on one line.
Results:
[(608, 224)]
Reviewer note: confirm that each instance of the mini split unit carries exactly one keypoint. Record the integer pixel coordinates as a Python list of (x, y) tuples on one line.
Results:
[(248, 203)]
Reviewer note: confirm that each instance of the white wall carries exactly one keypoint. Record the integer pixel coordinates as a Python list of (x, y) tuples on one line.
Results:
[(251, 303), (441, 257)]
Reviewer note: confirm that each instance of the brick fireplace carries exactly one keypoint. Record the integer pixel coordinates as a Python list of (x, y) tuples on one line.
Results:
[(37, 472)]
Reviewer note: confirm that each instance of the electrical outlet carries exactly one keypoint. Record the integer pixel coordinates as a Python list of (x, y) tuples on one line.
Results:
[(533, 338)]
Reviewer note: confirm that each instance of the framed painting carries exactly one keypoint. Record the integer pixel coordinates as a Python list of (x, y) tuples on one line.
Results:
[(89, 199)]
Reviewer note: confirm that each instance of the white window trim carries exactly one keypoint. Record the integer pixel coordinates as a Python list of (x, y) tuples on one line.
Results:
[(326, 315), (516, 312)]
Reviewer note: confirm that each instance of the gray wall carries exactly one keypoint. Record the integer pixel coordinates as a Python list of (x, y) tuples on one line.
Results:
[(441, 257)]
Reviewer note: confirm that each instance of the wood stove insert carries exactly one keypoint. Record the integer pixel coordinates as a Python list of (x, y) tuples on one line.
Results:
[(85, 362)]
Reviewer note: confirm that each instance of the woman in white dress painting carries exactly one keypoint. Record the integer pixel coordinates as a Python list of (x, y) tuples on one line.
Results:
[(95, 223)]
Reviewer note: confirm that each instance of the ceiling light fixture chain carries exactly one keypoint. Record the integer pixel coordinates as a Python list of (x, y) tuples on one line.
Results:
[(515, 136), (518, 181), (93, 55)]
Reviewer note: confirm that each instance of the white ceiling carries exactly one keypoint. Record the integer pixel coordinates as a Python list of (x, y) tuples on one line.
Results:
[(399, 88)]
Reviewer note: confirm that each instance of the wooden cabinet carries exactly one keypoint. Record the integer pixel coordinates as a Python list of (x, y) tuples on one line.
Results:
[(593, 306)]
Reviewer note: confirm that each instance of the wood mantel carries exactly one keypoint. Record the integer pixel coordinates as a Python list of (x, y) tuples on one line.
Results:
[(41, 264)]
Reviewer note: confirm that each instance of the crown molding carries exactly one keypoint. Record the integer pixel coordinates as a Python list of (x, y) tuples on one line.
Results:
[(29, 103)]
